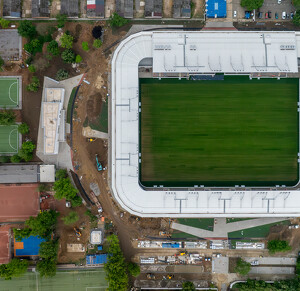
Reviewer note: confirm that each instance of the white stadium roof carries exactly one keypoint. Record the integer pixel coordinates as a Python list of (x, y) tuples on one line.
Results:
[(188, 52)]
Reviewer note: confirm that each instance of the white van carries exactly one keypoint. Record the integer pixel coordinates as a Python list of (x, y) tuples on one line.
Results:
[(283, 15)]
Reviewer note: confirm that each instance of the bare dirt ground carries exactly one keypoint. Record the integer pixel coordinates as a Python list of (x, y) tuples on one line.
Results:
[(26, 8), (167, 8), (199, 7)]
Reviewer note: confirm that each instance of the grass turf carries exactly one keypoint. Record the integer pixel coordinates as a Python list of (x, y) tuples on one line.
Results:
[(9, 93), (219, 133), (204, 223), (63, 281), (9, 139)]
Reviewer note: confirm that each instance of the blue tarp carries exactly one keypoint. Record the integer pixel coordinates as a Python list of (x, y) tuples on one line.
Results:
[(96, 259), (216, 8), (171, 245), (31, 246)]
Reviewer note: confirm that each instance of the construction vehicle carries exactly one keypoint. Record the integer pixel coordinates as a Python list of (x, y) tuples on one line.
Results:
[(90, 139), (99, 166), (170, 277), (164, 233), (77, 232), (95, 199)]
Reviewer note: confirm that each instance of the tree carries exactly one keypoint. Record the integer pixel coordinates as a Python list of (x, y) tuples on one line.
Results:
[(34, 46), (31, 69), (48, 250), (46, 268), (7, 117), (115, 20), (277, 245), (34, 85), (242, 267), (115, 267), (97, 43), (23, 128), (15, 159), (296, 18), (21, 233), (43, 187), (68, 56), (85, 46), (133, 269), (15, 268), (27, 29), (188, 286), (64, 189), (252, 4), (61, 20), (78, 59), (44, 224), (97, 32), (1, 62), (71, 218), (61, 75), (53, 48), (66, 41), (4, 23), (26, 151)]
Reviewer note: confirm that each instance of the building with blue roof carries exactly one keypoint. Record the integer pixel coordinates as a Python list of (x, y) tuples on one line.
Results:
[(216, 8)]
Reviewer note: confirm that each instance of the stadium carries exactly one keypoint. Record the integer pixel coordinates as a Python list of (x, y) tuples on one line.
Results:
[(206, 124)]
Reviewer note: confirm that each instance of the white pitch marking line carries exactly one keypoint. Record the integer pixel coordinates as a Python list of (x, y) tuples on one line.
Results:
[(16, 102), (9, 140)]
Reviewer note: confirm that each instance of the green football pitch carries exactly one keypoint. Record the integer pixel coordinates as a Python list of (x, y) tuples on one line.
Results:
[(9, 139), (77, 280), (219, 133), (9, 92)]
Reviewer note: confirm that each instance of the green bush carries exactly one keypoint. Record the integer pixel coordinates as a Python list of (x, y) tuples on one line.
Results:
[(29, 61), (188, 286), (23, 128), (61, 20), (71, 218), (252, 4), (68, 56), (34, 85), (46, 268), (21, 233), (4, 23), (242, 267), (67, 41), (27, 29), (97, 43), (1, 62), (34, 46), (48, 250), (115, 20), (26, 151), (78, 59), (4, 159), (277, 245), (85, 46), (7, 117), (53, 48), (31, 69), (15, 159), (133, 269), (61, 75)]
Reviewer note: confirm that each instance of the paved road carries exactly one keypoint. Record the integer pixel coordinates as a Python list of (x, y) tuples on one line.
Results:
[(273, 260), (272, 270)]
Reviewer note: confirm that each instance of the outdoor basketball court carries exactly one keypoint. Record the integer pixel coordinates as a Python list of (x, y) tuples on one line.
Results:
[(10, 93), (79, 280), (9, 139), (18, 202)]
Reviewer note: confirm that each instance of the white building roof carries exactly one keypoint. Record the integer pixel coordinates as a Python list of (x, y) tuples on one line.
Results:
[(224, 50), (51, 118), (47, 173)]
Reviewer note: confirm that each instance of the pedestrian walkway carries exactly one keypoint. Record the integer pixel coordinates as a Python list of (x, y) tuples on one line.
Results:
[(221, 228)]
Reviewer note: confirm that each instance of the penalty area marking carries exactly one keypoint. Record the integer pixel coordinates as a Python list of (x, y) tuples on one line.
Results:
[(16, 102), (16, 149)]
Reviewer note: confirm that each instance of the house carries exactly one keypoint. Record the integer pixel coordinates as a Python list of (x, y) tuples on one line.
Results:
[(69, 7), (40, 8), (12, 8), (124, 8), (153, 9), (182, 9), (95, 8)]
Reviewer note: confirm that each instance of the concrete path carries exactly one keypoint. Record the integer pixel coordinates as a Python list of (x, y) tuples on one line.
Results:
[(88, 132), (272, 270), (282, 261), (221, 228)]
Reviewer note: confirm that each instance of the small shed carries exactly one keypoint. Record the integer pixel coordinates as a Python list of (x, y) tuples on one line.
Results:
[(96, 237), (92, 260), (95, 8)]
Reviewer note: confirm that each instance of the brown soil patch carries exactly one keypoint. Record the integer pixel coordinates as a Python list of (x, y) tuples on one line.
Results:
[(168, 8), (198, 9)]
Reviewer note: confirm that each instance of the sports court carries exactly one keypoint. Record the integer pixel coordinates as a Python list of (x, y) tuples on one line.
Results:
[(79, 280), (10, 92), (9, 139), (18, 202), (234, 131)]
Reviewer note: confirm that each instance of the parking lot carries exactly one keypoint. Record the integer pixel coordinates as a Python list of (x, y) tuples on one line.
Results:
[(269, 5)]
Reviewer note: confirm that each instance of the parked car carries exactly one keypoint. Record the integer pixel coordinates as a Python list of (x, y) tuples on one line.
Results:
[(269, 14), (279, 1), (234, 13), (276, 15), (247, 14), (260, 15), (292, 15), (287, 16), (254, 263), (293, 226), (283, 15), (266, 15)]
